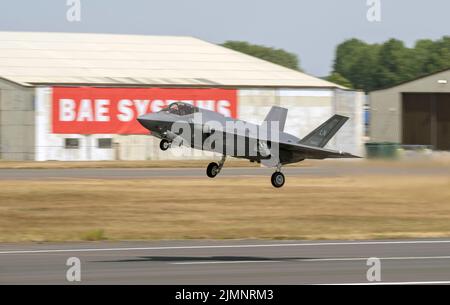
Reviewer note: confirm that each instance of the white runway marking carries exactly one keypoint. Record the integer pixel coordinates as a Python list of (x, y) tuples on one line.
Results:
[(362, 243), (338, 259), (346, 259), (389, 283)]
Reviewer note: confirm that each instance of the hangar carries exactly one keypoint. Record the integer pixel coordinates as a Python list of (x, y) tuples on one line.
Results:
[(70, 96), (413, 113)]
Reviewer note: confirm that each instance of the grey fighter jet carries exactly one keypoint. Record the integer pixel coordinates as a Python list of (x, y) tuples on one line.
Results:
[(184, 124)]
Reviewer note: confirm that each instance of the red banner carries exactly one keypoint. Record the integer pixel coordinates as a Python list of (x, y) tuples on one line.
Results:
[(87, 110)]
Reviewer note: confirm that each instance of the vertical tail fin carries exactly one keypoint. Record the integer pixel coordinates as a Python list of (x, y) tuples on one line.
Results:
[(320, 136), (278, 114)]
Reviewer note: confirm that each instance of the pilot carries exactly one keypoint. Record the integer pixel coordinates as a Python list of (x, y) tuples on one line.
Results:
[(174, 109)]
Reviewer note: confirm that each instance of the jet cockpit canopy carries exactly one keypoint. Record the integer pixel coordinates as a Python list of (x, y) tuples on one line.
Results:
[(180, 108)]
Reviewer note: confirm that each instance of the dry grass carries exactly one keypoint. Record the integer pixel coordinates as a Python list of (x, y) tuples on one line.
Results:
[(118, 164), (435, 161), (222, 208)]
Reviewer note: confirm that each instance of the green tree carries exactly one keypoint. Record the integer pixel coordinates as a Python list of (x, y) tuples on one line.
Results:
[(432, 56), (339, 79), (347, 53), (357, 62), (426, 58), (375, 66), (444, 52), (395, 64), (276, 56)]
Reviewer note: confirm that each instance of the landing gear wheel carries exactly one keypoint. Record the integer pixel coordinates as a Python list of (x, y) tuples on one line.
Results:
[(212, 170), (164, 145), (277, 179)]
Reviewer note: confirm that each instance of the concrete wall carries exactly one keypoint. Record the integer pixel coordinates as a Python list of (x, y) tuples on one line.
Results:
[(350, 137), (386, 105), (16, 122), (308, 108)]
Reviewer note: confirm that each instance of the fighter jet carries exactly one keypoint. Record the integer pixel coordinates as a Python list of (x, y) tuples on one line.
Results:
[(267, 143)]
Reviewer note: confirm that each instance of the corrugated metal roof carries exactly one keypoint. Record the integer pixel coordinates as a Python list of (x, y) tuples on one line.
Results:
[(71, 58)]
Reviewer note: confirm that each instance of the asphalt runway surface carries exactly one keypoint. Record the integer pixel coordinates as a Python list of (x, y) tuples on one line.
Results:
[(142, 173), (228, 262)]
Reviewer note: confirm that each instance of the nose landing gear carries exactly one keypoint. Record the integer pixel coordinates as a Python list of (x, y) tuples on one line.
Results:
[(164, 144), (213, 168)]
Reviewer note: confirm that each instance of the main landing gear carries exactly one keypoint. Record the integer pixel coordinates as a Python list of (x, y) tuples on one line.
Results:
[(213, 168), (164, 144), (277, 178)]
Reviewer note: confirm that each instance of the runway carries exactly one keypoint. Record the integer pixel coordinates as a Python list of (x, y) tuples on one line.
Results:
[(229, 262), (143, 173)]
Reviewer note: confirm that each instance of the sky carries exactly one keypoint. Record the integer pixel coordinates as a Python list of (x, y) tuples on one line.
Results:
[(311, 29)]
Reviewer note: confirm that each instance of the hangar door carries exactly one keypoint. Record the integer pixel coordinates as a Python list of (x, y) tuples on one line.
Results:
[(426, 119)]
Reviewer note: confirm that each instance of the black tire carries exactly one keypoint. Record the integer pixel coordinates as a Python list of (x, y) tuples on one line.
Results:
[(212, 170), (278, 179), (164, 145)]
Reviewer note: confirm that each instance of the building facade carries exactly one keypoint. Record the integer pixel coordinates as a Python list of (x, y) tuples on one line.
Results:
[(413, 113)]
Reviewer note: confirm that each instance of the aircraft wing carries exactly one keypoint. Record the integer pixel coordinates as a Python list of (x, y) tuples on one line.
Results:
[(311, 152)]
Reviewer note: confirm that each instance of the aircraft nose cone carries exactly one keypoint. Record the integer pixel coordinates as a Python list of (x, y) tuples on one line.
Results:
[(145, 120), (142, 118), (139, 119), (150, 121)]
